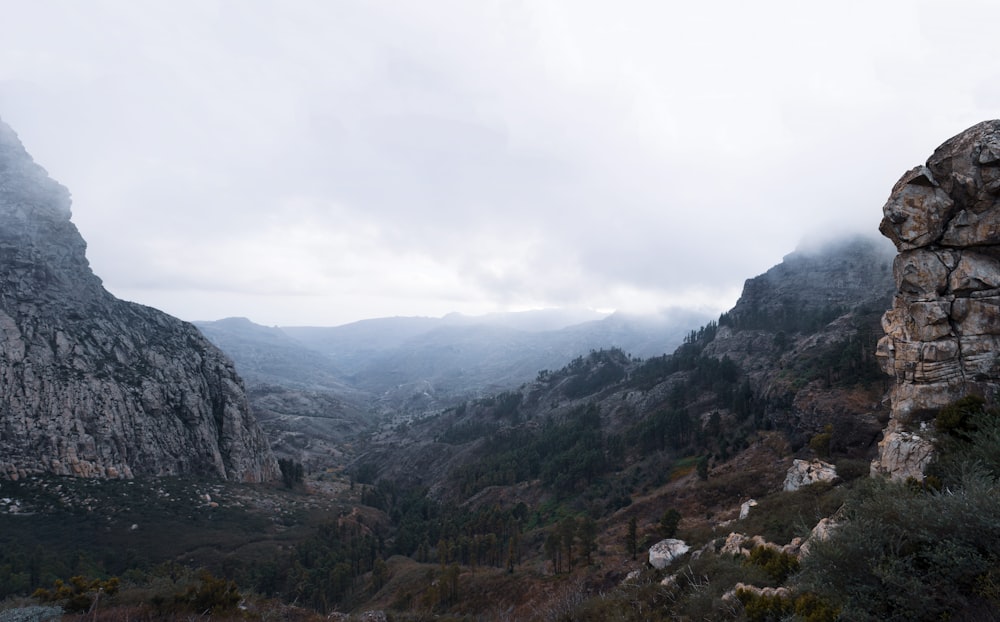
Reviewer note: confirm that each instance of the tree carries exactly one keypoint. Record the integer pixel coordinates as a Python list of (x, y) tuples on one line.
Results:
[(632, 538), (567, 536), (668, 523), (552, 549), (703, 468), (587, 534), (291, 472)]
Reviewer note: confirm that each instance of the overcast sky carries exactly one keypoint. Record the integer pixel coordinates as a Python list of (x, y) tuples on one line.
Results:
[(319, 162)]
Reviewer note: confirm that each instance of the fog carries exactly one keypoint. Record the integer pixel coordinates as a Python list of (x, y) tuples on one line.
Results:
[(320, 162)]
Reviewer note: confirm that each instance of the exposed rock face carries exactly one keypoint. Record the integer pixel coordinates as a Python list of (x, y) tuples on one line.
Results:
[(93, 386), (943, 332), (804, 473), (666, 551)]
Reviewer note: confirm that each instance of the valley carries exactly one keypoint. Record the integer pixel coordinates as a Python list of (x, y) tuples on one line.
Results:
[(827, 449)]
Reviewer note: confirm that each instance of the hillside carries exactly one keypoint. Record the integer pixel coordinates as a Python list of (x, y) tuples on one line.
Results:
[(796, 354), (315, 390)]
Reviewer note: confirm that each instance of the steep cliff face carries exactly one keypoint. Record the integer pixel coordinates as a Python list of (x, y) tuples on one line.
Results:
[(942, 338), (93, 386)]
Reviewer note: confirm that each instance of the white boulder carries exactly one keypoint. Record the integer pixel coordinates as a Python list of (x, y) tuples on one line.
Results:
[(666, 551)]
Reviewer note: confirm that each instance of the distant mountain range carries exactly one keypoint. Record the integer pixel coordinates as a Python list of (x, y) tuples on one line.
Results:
[(455, 355)]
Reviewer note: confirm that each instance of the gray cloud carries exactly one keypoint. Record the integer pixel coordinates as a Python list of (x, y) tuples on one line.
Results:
[(320, 162)]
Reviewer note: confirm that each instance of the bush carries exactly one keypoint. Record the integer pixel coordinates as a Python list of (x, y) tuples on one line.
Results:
[(79, 594), (908, 554), (765, 607), (777, 564)]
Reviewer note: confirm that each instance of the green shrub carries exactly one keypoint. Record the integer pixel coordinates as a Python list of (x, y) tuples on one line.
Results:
[(79, 594), (777, 564), (211, 595), (820, 443), (765, 607), (811, 608), (906, 553), (958, 419)]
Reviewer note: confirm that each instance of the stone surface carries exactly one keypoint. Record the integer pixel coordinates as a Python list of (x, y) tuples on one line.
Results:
[(805, 473), (903, 455), (745, 508), (942, 334), (93, 386), (823, 529), (666, 551)]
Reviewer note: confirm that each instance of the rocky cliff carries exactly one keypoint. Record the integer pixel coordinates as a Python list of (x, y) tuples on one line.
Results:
[(93, 386), (942, 335)]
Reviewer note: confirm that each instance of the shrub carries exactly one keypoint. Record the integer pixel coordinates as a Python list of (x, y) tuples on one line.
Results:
[(776, 563), (905, 553), (765, 607), (820, 443), (77, 595), (957, 419)]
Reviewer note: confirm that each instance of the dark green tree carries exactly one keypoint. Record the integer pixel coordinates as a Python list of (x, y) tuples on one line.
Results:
[(632, 538)]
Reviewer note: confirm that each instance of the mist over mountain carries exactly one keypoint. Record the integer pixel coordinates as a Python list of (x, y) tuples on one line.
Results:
[(459, 353)]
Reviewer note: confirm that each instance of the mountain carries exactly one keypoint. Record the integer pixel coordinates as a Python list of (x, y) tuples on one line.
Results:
[(459, 355), (795, 354), (316, 389), (94, 386)]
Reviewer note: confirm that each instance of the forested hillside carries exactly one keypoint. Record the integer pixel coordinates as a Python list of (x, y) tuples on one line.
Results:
[(542, 502)]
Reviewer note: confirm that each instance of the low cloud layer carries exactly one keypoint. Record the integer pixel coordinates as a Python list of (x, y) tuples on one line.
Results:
[(320, 162)]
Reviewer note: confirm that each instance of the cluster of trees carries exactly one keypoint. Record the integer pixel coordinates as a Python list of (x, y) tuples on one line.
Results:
[(588, 375), (790, 316), (566, 455), (570, 541)]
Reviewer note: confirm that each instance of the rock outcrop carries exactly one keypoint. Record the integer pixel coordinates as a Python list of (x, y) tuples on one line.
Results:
[(93, 386), (942, 335), (804, 473)]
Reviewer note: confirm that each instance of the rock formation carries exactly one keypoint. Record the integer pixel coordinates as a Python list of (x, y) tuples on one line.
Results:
[(942, 338), (804, 473), (666, 551), (93, 386)]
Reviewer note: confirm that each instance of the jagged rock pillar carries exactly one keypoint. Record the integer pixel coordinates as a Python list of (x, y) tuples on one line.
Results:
[(942, 335)]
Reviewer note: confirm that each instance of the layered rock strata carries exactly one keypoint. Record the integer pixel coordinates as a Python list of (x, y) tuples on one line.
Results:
[(93, 386), (942, 335)]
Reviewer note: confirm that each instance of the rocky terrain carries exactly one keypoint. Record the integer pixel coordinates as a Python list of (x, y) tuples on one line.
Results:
[(92, 386), (943, 330)]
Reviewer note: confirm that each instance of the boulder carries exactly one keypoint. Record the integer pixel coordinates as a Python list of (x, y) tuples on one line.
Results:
[(666, 551), (804, 473)]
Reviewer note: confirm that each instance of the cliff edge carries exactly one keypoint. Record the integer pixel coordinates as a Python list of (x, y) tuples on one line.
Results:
[(93, 386)]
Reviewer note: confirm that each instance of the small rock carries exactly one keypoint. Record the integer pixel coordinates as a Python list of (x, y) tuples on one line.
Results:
[(745, 508)]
